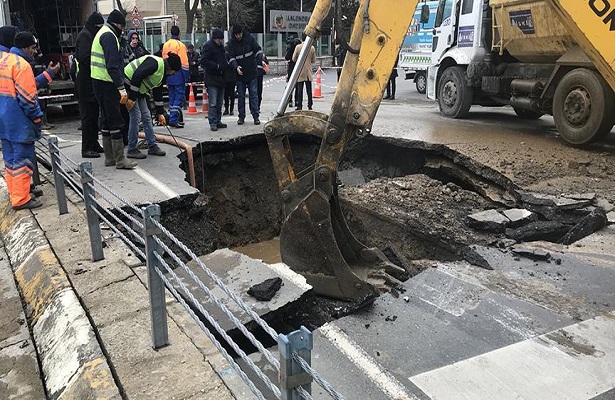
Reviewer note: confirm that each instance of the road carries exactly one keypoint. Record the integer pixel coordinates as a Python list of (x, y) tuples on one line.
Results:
[(526, 330)]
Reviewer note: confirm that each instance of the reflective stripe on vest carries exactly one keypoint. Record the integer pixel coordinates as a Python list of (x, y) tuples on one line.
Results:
[(98, 66), (149, 82)]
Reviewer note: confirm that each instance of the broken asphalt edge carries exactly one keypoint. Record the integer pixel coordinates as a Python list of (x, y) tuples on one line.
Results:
[(73, 363)]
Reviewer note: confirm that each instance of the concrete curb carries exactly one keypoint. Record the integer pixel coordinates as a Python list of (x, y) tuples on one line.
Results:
[(73, 363)]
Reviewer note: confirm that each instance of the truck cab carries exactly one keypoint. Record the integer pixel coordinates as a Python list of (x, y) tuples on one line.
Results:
[(523, 54)]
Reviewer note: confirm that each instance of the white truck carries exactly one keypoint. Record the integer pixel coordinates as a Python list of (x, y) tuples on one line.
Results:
[(539, 56), (415, 52)]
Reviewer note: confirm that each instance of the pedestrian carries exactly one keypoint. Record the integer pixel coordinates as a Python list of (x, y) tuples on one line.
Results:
[(213, 61), (20, 125), (245, 54), (391, 84), (106, 70), (291, 43), (26, 46), (143, 75), (193, 68), (261, 70), (134, 47), (176, 83), (88, 105), (230, 78), (340, 56), (305, 76)]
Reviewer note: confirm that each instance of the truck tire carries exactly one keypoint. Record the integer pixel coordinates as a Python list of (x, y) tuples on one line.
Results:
[(583, 106), (527, 114), (420, 80), (454, 95), (70, 108)]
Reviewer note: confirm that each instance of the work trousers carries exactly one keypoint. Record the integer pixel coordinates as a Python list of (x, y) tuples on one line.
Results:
[(229, 96), (19, 166), (252, 95), (216, 98), (88, 111), (176, 101), (140, 113), (111, 121)]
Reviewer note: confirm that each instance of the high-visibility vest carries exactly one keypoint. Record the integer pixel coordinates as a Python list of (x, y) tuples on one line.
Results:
[(149, 82), (98, 66)]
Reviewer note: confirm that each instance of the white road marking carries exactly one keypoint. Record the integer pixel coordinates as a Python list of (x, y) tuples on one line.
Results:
[(576, 362), (374, 371), (156, 183)]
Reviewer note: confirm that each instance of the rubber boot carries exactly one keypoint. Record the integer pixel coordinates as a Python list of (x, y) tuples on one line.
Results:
[(108, 150), (121, 162)]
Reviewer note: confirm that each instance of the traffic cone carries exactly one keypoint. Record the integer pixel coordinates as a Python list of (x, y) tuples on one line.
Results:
[(318, 86), (205, 107), (192, 103)]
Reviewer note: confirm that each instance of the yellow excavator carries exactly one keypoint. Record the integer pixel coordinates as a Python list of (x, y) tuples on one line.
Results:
[(315, 239)]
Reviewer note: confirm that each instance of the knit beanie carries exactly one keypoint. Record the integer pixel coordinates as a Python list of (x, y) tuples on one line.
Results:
[(95, 19), (7, 36), (174, 62), (218, 34), (117, 18), (237, 29), (24, 39)]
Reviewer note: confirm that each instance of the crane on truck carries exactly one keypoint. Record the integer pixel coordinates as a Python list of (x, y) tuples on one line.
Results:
[(314, 238), (538, 56)]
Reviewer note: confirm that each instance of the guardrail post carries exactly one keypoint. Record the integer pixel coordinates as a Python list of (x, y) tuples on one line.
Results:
[(54, 151), (85, 169), (158, 306), (292, 374)]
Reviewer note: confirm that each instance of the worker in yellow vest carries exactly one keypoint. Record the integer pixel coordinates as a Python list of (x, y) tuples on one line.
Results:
[(106, 70)]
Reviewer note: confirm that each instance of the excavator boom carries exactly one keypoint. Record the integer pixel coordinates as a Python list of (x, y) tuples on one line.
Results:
[(315, 240)]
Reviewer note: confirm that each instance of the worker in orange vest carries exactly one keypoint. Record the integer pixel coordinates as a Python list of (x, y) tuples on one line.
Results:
[(177, 82), (20, 125)]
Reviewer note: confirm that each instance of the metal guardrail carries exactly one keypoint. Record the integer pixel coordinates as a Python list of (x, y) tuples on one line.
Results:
[(141, 230)]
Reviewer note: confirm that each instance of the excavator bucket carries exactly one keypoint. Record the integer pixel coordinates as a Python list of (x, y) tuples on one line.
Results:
[(314, 239), (316, 242)]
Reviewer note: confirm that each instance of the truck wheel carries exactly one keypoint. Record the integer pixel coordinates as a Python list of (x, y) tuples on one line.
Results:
[(70, 108), (583, 107), (454, 95), (527, 114), (420, 81)]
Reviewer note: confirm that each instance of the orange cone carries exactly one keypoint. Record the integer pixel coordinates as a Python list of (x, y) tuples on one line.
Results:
[(192, 103), (318, 86), (205, 107)]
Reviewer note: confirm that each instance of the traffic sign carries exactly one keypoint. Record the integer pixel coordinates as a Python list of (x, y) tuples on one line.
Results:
[(136, 17)]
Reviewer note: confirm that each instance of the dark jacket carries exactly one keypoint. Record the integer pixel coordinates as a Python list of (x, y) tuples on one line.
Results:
[(290, 49), (245, 53), (132, 53), (83, 55), (213, 61)]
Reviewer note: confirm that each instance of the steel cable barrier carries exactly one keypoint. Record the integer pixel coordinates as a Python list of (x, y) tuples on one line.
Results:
[(141, 230)]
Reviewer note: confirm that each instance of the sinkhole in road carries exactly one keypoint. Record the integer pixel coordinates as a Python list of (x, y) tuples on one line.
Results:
[(409, 198)]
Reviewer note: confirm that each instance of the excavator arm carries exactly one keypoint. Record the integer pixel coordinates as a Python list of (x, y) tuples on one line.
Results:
[(315, 239)]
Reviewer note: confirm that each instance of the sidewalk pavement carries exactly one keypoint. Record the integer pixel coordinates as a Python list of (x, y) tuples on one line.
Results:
[(90, 321)]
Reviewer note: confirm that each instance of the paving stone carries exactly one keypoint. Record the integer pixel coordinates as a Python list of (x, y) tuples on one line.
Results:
[(489, 220)]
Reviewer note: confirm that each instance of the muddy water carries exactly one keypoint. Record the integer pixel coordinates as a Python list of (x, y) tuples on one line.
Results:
[(268, 251)]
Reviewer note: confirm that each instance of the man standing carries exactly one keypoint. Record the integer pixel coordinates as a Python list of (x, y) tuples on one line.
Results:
[(20, 124), (88, 106), (142, 75), (213, 61), (305, 76), (245, 54), (193, 68), (134, 48), (108, 83), (176, 83)]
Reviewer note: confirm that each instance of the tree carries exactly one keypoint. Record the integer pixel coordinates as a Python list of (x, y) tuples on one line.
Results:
[(190, 13), (243, 12)]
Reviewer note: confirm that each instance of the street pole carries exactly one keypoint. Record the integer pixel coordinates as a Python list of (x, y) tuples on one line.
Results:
[(301, 6), (228, 21), (264, 22)]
